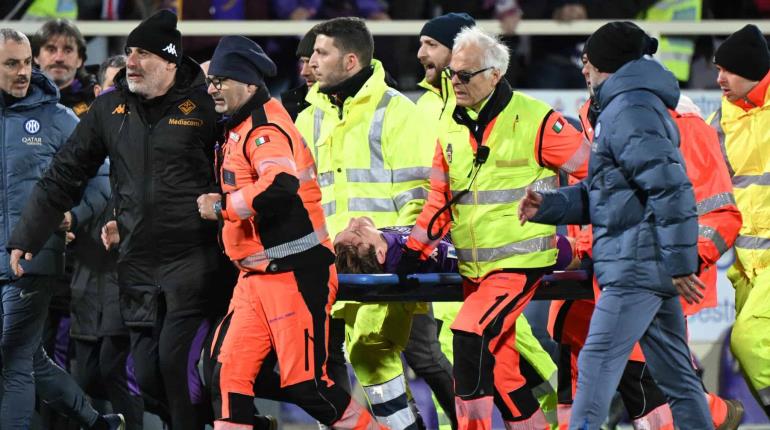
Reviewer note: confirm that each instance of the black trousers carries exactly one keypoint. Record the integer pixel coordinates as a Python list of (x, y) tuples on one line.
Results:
[(103, 369), (423, 354), (168, 324)]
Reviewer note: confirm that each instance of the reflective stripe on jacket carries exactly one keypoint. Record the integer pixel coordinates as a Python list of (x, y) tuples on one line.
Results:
[(272, 207), (675, 52), (373, 155), (745, 138), (484, 223)]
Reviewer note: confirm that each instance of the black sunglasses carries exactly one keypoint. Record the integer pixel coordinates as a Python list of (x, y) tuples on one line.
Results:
[(465, 76), (216, 81)]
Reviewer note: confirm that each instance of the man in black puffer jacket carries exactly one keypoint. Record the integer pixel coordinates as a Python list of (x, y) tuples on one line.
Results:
[(159, 129)]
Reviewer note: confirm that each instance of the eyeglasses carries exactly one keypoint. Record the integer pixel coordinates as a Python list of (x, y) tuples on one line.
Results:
[(465, 76), (216, 81)]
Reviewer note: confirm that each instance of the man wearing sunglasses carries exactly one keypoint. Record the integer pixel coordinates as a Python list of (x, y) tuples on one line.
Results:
[(497, 144), (158, 128)]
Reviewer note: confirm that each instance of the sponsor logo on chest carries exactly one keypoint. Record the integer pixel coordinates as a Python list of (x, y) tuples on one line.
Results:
[(32, 126), (186, 122)]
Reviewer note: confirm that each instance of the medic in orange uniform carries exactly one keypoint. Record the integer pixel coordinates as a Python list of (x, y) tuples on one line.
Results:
[(274, 231)]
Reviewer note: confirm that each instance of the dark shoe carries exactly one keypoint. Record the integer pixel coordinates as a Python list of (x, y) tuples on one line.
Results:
[(734, 415), (265, 422), (110, 422)]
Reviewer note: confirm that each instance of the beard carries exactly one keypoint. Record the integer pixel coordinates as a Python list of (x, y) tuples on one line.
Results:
[(137, 88), (19, 92), (64, 77)]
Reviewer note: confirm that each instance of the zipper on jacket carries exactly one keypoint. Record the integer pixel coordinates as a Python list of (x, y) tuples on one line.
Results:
[(472, 220), (4, 183), (307, 350), (148, 201)]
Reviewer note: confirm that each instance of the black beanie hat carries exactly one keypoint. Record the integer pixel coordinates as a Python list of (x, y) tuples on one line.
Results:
[(305, 47), (241, 59), (616, 43), (444, 28), (745, 53), (158, 34)]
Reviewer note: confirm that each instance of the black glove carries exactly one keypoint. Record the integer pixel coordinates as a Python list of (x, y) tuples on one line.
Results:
[(410, 262)]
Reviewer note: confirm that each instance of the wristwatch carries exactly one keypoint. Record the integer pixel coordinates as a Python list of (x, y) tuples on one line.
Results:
[(218, 209)]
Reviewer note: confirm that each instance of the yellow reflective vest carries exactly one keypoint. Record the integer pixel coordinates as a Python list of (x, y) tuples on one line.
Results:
[(485, 227), (745, 139), (373, 155), (50, 9), (675, 52)]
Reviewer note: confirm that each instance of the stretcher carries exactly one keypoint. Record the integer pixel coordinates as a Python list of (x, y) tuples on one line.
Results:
[(447, 287)]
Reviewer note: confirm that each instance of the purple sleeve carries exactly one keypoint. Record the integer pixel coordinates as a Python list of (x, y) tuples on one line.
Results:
[(442, 260), (283, 8), (368, 7)]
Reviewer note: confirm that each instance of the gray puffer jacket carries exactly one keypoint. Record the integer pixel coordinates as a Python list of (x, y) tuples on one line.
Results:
[(637, 194)]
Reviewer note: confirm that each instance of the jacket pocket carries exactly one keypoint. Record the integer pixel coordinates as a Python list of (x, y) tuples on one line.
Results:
[(139, 305)]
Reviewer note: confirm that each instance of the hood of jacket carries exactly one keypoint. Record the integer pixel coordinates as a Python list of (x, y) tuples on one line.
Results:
[(643, 74)]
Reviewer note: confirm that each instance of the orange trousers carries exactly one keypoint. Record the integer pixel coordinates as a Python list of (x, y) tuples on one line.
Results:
[(275, 334), (486, 364)]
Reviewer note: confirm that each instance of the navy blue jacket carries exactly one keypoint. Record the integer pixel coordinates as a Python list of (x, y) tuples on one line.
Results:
[(32, 131), (637, 194), (94, 307)]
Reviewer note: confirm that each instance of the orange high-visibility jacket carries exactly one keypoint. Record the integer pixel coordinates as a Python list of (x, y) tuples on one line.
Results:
[(272, 207)]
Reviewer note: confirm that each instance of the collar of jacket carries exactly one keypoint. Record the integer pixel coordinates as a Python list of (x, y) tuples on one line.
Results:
[(295, 95), (41, 90), (259, 98), (349, 87), (500, 98), (189, 75), (429, 87), (80, 90), (445, 92), (757, 96), (374, 86), (593, 111)]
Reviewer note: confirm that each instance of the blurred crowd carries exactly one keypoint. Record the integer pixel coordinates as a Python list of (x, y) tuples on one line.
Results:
[(542, 62)]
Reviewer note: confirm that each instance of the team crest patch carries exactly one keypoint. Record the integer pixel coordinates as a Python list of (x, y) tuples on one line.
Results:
[(119, 109), (261, 140), (80, 108), (558, 126), (187, 106), (32, 126)]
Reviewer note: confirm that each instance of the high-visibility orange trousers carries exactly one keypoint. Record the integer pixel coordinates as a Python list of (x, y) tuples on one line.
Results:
[(275, 333), (486, 365)]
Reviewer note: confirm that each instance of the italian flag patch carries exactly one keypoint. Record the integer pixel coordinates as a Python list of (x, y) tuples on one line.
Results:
[(261, 140), (558, 125)]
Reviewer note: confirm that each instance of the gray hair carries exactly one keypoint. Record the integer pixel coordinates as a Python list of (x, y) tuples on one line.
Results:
[(117, 61), (494, 53), (7, 34)]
